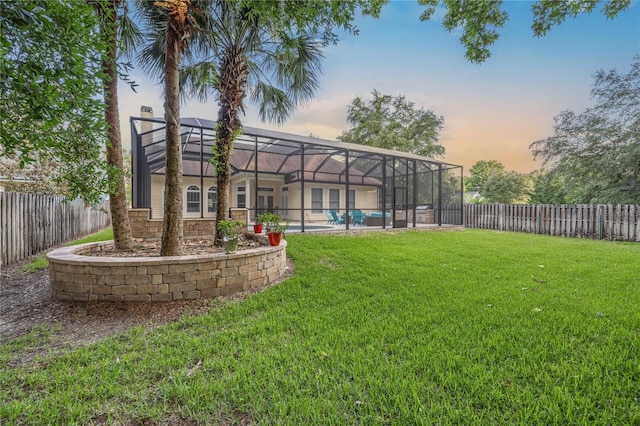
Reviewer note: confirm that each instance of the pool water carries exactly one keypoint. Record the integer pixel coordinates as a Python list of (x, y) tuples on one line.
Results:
[(298, 228)]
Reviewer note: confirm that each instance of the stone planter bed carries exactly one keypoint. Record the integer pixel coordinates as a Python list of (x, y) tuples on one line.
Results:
[(78, 276)]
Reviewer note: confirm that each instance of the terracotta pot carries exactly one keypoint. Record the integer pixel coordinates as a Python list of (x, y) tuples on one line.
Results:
[(257, 228), (274, 238)]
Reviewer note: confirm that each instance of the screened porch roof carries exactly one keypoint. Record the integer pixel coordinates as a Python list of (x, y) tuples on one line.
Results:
[(277, 152)]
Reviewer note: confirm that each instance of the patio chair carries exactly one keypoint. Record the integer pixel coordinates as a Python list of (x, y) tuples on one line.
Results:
[(358, 217), (337, 220), (330, 219)]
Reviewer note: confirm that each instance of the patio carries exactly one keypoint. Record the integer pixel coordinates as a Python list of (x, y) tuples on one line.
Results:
[(298, 177)]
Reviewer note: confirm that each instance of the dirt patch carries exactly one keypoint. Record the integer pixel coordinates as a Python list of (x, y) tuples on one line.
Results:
[(26, 304)]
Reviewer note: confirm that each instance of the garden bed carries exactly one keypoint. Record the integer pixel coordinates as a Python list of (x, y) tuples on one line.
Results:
[(80, 273)]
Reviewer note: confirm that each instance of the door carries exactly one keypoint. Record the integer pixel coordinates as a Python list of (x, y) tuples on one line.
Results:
[(284, 212), (399, 213), (265, 200)]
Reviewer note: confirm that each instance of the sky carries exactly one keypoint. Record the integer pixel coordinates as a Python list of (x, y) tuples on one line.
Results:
[(492, 111)]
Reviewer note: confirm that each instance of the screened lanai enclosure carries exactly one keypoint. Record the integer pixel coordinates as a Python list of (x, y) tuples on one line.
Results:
[(314, 183)]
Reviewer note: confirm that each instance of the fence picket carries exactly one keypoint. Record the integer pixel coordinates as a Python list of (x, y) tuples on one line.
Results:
[(596, 221), (31, 223)]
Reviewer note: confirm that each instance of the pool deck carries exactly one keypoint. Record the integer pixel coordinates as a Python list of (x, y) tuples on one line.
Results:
[(315, 227)]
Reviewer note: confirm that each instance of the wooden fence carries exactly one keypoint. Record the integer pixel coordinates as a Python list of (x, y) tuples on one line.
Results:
[(31, 223), (598, 221)]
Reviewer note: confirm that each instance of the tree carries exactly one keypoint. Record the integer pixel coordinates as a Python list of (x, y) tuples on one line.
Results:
[(111, 25), (50, 77), (507, 188), (496, 185), (597, 152), (480, 172), (257, 48), (32, 178), (478, 21), (393, 123), (277, 70), (180, 25)]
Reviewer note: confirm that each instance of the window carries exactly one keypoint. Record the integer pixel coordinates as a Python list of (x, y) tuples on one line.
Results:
[(212, 199), (352, 199), (241, 198), (193, 199), (334, 199), (316, 200)]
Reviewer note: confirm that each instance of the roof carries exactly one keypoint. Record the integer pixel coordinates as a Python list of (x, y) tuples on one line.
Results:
[(277, 151)]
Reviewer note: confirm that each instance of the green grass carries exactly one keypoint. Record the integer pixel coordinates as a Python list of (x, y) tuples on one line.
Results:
[(474, 328), (36, 263), (104, 235), (40, 261)]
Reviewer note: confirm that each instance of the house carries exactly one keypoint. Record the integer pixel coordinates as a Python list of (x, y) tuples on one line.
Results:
[(295, 176), (472, 197)]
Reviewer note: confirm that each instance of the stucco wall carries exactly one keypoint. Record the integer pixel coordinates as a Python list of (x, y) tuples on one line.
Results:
[(366, 196), (157, 191)]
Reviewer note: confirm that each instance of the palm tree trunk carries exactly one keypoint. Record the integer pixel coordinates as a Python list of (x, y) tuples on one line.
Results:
[(172, 229), (118, 198), (224, 139), (232, 86)]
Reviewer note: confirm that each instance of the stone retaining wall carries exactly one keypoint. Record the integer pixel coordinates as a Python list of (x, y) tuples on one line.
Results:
[(77, 277), (142, 226)]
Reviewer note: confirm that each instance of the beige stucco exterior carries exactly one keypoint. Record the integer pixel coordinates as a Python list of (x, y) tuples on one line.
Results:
[(273, 194)]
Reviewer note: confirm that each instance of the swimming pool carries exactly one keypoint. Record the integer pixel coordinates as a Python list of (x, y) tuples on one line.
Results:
[(298, 228)]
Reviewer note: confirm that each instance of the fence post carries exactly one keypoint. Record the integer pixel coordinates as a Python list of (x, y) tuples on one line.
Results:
[(600, 222)]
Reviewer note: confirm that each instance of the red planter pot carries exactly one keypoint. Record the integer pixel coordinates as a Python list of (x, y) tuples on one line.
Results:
[(257, 228), (274, 238)]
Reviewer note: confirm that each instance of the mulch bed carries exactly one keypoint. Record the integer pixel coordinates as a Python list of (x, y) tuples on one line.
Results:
[(151, 248)]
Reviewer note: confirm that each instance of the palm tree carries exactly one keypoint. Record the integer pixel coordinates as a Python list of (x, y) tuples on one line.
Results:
[(277, 69), (180, 25), (115, 29)]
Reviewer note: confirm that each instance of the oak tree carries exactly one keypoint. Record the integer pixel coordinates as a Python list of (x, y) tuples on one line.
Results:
[(598, 151), (393, 122)]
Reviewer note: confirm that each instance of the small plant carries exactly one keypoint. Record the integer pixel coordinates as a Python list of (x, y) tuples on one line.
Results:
[(37, 263), (230, 228), (272, 223), (260, 218)]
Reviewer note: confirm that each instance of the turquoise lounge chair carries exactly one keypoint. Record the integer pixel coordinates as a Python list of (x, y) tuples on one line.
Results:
[(330, 219), (338, 220), (358, 217)]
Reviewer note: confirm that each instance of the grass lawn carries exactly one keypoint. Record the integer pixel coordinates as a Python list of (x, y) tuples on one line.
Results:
[(474, 327), (40, 261)]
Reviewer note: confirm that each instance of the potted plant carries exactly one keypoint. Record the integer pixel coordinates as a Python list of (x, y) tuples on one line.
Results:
[(275, 228), (257, 227), (230, 230)]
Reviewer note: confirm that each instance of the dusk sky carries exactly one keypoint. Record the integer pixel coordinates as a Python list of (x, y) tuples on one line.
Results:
[(492, 111)]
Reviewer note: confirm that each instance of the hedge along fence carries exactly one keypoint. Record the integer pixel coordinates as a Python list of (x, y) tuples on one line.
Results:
[(31, 223), (597, 221)]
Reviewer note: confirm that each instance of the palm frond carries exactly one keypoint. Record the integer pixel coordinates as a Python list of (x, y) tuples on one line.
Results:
[(274, 105), (199, 79), (300, 71), (129, 34), (151, 55)]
